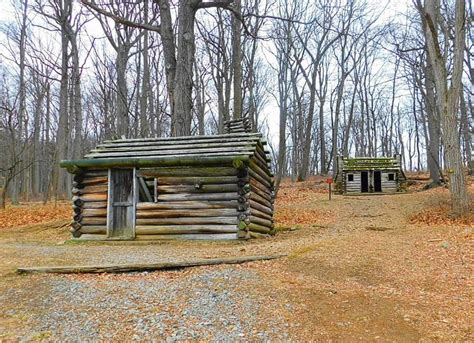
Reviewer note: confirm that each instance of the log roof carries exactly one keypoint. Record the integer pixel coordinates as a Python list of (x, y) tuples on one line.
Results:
[(368, 163), (174, 150)]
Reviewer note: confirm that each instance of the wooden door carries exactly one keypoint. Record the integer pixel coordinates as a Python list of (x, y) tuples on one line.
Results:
[(364, 182), (377, 181), (121, 204)]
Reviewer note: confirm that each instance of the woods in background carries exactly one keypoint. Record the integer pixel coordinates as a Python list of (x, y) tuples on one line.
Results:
[(340, 77)]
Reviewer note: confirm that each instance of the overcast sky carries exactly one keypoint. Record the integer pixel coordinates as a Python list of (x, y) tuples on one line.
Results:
[(389, 10)]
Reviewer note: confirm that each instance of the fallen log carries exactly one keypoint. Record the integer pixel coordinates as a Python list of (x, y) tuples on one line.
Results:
[(123, 268)]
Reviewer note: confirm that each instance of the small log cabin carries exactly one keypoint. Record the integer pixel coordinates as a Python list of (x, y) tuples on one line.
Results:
[(201, 187), (370, 175)]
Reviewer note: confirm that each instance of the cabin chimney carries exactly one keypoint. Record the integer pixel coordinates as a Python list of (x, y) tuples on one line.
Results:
[(238, 126)]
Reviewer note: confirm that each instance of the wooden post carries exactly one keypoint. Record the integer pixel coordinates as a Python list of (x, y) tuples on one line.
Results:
[(329, 181)]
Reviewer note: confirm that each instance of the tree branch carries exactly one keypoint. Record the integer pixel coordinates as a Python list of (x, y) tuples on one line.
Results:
[(120, 19)]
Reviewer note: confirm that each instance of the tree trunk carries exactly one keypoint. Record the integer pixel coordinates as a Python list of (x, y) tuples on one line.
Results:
[(145, 91), (183, 86), (62, 135), (123, 121), (448, 97), (237, 60)]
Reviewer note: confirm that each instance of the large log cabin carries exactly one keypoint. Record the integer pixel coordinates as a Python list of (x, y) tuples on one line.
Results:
[(201, 187)]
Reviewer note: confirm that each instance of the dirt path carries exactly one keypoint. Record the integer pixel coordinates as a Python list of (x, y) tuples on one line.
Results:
[(356, 270)]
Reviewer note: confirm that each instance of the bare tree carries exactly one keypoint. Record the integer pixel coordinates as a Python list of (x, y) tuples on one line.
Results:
[(448, 94)]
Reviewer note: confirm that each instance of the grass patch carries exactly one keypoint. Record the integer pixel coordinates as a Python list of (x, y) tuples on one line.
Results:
[(302, 251)]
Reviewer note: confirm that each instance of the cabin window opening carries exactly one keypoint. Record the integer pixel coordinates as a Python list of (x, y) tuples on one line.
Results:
[(145, 188), (155, 189), (350, 177), (391, 177)]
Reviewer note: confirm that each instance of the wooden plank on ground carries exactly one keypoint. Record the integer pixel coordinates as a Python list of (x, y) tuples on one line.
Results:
[(123, 268)]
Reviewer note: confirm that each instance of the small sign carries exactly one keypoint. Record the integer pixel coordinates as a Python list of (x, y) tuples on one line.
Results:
[(329, 180)]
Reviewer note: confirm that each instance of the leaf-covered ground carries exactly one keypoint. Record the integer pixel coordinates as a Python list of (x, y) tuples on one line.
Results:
[(359, 268), (34, 213)]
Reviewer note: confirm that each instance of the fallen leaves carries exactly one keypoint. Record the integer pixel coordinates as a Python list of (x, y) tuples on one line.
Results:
[(34, 213), (437, 209), (296, 203), (440, 215), (302, 216)]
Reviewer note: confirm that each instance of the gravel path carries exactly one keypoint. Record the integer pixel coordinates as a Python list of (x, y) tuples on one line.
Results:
[(208, 303)]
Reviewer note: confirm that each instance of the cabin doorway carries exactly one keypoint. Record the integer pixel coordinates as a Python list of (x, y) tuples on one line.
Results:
[(121, 204), (377, 181), (364, 182)]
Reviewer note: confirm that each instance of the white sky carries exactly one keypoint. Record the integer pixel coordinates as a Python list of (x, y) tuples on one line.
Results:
[(393, 8)]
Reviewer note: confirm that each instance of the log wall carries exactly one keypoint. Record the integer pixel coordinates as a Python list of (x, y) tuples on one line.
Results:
[(89, 203), (354, 186), (191, 203), (257, 198)]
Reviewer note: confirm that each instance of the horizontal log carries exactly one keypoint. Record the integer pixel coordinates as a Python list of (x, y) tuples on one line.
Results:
[(76, 233), (180, 139), (255, 183), (191, 180), (93, 221), (186, 221), (242, 234), (221, 212), (262, 150), (261, 214), (121, 268), (251, 144), (256, 176), (180, 229), (96, 172), (163, 161), (264, 195), (264, 208), (90, 190), (94, 212), (266, 181), (197, 188), (191, 236), (156, 152), (254, 196), (258, 228), (202, 197), (186, 205), (77, 201), (76, 226), (188, 171), (78, 178), (77, 184), (262, 163), (94, 229), (91, 197), (91, 181), (95, 204), (261, 221)]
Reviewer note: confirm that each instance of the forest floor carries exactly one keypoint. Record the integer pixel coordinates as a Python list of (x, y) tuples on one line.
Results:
[(359, 268)]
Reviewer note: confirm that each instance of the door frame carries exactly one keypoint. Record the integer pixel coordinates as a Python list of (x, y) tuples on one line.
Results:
[(377, 172), (110, 204), (364, 172)]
